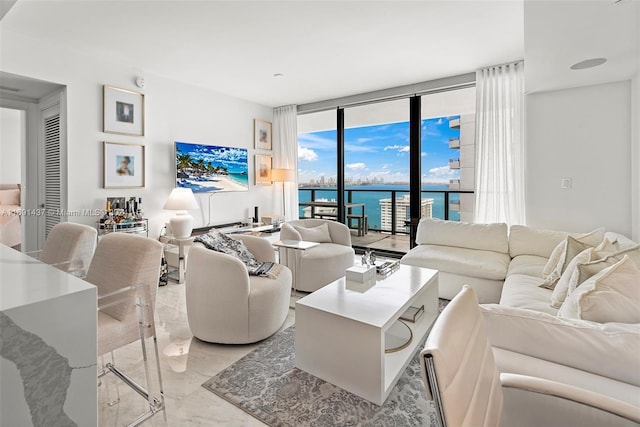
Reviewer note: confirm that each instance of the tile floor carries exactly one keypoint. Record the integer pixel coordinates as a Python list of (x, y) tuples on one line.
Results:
[(186, 363)]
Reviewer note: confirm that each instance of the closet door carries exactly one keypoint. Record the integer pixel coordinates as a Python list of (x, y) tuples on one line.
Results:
[(52, 185)]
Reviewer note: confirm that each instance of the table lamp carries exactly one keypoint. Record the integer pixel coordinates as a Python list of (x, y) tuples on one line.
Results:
[(181, 200), (283, 175)]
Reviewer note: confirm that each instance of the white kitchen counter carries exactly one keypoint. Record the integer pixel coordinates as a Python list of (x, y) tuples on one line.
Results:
[(48, 344)]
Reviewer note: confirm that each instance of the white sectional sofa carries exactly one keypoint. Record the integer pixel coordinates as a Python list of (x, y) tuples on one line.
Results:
[(464, 254), (542, 332)]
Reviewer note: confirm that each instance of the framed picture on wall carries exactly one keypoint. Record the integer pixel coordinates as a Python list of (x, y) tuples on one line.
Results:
[(123, 111), (123, 165), (262, 169), (262, 134)]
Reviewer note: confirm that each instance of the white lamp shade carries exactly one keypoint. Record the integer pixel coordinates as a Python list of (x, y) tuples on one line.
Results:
[(283, 175), (181, 199)]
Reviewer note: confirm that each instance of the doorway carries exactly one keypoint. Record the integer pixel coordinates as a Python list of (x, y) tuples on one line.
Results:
[(34, 102)]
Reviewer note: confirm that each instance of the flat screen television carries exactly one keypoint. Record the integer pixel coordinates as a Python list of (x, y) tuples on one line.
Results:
[(211, 168)]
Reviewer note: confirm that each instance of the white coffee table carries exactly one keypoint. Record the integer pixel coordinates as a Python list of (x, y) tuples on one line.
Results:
[(340, 333)]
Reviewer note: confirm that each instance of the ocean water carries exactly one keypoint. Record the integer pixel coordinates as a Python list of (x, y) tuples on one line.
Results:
[(371, 195), (242, 178)]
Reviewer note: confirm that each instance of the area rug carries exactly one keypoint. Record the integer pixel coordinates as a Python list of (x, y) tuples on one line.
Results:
[(267, 385)]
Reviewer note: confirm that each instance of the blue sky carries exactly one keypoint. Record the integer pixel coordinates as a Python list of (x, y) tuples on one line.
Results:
[(380, 151), (232, 158)]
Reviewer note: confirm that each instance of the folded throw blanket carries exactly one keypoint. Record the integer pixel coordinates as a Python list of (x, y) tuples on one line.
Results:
[(220, 242)]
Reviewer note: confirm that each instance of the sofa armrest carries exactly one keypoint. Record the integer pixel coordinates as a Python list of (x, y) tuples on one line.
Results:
[(259, 247), (610, 349), (551, 403)]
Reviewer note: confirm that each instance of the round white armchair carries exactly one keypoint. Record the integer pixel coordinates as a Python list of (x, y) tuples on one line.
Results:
[(228, 306), (326, 262)]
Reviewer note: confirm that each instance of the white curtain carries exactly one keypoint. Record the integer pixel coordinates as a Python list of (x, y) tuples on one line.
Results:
[(500, 151), (285, 132)]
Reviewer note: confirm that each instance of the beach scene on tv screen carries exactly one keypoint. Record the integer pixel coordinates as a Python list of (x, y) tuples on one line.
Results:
[(211, 168)]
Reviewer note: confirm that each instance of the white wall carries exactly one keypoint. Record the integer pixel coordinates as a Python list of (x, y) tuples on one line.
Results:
[(10, 143), (583, 134), (635, 156), (174, 111)]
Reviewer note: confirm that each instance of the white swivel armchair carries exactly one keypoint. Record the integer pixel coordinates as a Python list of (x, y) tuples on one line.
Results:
[(461, 377), (322, 264), (126, 271), (228, 306)]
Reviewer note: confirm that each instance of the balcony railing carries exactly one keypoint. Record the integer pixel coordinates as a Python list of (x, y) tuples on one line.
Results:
[(454, 163), (454, 143), (440, 209)]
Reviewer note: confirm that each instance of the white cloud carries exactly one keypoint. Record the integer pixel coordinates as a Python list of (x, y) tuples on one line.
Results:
[(441, 174), (317, 142), (358, 148), (363, 140), (399, 148), (442, 171), (307, 155), (356, 166), (423, 154)]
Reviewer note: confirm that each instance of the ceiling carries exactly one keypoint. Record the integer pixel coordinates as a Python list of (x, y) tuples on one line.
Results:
[(329, 49)]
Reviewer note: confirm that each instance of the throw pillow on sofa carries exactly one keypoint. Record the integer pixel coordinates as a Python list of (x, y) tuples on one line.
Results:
[(613, 295), (599, 261), (614, 251), (562, 286), (564, 252), (319, 234)]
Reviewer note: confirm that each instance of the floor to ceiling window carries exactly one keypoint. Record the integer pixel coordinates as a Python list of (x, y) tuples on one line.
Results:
[(377, 168), (317, 160), (448, 129), (376, 157)]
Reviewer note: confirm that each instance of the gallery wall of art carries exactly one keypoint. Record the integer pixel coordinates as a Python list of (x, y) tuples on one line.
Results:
[(173, 111)]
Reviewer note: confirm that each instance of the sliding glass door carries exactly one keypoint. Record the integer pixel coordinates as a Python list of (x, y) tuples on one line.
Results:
[(376, 163)]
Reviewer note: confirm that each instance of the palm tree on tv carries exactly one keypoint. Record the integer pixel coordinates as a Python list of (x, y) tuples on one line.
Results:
[(184, 161), (199, 165)]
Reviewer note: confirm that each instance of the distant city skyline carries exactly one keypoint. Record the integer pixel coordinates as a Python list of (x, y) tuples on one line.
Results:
[(378, 154)]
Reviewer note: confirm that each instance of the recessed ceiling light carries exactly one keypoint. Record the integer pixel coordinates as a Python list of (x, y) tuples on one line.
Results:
[(588, 63)]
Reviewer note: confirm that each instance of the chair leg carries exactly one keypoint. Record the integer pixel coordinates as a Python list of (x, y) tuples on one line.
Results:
[(155, 401), (102, 373)]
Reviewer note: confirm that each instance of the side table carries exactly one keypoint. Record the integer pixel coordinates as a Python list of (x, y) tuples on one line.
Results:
[(175, 251), (291, 250)]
